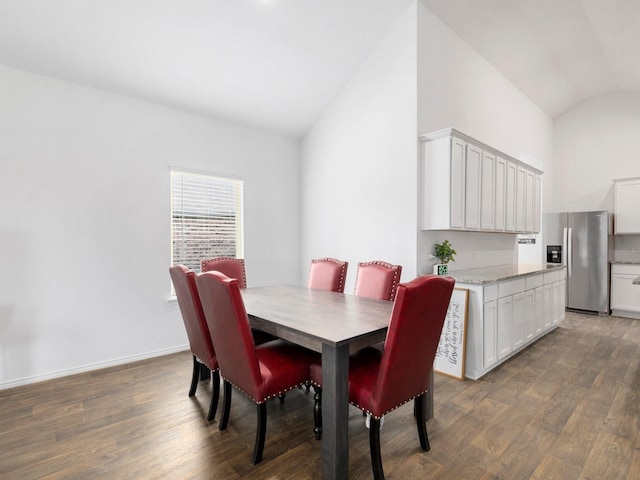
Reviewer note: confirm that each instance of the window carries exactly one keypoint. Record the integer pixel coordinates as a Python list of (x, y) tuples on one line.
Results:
[(206, 218)]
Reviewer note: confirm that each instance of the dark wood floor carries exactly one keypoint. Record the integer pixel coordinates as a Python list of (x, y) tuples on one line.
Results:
[(567, 407)]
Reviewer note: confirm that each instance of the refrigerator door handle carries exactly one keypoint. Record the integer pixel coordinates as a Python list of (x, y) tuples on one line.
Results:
[(564, 246), (569, 250)]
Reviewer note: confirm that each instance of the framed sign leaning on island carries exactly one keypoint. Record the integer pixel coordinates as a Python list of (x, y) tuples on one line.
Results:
[(450, 355)]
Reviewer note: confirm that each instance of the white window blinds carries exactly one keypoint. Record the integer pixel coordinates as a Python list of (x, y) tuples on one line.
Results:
[(206, 218)]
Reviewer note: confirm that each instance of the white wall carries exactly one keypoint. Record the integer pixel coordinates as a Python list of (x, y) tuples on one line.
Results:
[(84, 221), (595, 143), (359, 164), (458, 88)]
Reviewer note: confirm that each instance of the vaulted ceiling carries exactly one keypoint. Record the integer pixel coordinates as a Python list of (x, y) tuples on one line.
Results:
[(272, 63), (277, 64), (557, 52)]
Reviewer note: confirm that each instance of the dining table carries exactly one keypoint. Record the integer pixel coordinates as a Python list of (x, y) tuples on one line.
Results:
[(335, 325)]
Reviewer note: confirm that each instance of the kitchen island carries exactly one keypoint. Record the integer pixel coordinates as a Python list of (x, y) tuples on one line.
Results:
[(510, 307)]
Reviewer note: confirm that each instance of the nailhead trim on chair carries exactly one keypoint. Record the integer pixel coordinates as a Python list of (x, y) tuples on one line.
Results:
[(214, 260), (396, 275), (203, 363), (333, 260), (388, 411), (266, 398)]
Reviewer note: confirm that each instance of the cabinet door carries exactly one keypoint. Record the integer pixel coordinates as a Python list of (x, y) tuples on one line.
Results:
[(556, 303), (458, 154), (530, 197), (529, 315), (500, 197), (537, 205), (510, 198), (517, 319), (624, 294), (547, 309), (487, 191), (489, 347), (505, 326), (539, 310), (627, 199), (563, 300), (472, 190), (521, 190)]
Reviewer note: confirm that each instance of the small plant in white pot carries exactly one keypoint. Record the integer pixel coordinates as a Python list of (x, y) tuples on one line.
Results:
[(444, 253)]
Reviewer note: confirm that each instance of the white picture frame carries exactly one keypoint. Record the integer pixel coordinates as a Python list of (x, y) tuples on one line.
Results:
[(451, 352)]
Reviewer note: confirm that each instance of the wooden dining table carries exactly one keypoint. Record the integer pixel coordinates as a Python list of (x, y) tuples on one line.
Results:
[(335, 325)]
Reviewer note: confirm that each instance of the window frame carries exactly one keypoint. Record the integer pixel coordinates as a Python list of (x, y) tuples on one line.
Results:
[(236, 185)]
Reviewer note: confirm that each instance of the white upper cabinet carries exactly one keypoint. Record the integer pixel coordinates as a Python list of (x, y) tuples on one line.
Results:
[(488, 191), (537, 203), (510, 195), (501, 196), (467, 185), (458, 163), (529, 203), (443, 184), (521, 198), (472, 190), (627, 200)]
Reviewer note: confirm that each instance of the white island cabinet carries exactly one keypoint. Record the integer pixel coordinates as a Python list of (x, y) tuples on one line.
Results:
[(468, 185), (510, 306)]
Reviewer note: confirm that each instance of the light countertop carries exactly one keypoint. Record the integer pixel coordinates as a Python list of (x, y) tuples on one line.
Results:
[(499, 273)]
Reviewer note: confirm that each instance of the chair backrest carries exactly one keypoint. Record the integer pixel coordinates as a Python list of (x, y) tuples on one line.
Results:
[(184, 282), (328, 274), (377, 280), (229, 326), (230, 266), (412, 339)]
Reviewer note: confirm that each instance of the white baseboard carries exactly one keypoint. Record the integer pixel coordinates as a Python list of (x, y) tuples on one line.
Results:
[(625, 313), (89, 367)]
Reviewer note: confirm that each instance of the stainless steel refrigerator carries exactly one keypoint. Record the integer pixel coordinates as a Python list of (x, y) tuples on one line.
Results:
[(582, 242)]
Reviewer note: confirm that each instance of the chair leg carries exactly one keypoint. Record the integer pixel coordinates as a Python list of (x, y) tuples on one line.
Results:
[(317, 412), (195, 377), (261, 433), (205, 374), (418, 408), (374, 445), (215, 394), (226, 405)]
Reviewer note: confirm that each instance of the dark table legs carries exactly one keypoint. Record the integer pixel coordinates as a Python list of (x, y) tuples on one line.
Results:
[(335, 412)]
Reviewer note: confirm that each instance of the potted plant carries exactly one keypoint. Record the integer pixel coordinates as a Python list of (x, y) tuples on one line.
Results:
[(444, 253)]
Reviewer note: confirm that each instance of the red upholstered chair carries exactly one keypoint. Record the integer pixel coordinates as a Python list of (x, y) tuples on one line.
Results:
[(328, 274), (197, 331), (260, 372), (230, 266), (235, 268), (377, 280), (380, 382)]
